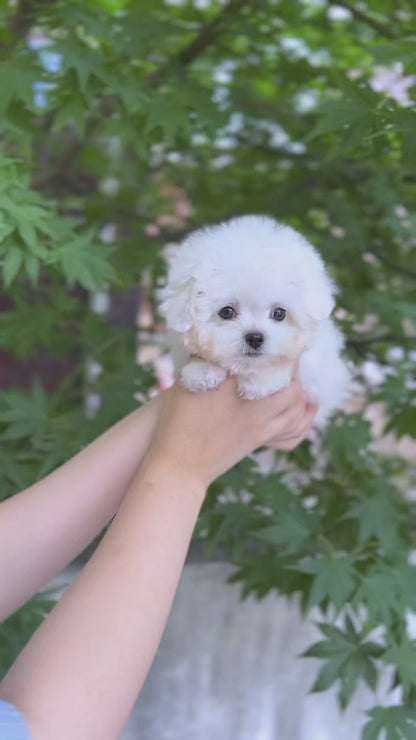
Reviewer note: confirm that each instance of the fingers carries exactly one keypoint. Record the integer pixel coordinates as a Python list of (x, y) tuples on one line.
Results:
[(297, 430), (285, 399)]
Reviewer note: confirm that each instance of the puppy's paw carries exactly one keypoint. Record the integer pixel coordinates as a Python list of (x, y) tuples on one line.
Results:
[(254, 389), (198, 375), (251, 391)]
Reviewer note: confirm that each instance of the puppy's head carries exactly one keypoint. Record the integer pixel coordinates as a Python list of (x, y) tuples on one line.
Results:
[(247, 293)]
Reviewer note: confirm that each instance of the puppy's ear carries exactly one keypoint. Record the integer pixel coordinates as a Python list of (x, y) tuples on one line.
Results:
[(178, 305), (319, 297)]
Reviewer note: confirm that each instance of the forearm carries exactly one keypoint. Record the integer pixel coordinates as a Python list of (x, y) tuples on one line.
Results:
[(107, 627), (46, 526)]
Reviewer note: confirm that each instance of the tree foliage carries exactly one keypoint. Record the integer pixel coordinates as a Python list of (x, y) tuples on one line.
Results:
[(297, 108)]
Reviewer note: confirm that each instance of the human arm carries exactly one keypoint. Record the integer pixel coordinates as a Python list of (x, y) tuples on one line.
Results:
[(46, 526), (81, 672)]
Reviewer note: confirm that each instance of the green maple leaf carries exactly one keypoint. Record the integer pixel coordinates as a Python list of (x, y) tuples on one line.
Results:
[(71, 112), (31, 323), (348, 658), (25, 414), (378, 591), (391, 723), (82, 60), (405, 49), (85, 261), (392, 391), (12, 262), (377, 515), (261, 573), (387, 591), (392, 311), (336, 115), (6, 227), (403, 656), (17, 82), (128, 87), (15, 474), (404, 122), (200, 101), (348, 443), (167, 114), (335, 579), (240, 476), (232, 524), (294, 527), (354, 115), (403, 422)]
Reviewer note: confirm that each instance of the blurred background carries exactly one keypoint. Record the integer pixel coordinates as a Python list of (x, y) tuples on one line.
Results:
[(125, 125)]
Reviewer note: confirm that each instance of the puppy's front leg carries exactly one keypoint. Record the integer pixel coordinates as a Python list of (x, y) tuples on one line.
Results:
[(261, 386), (198, 375)]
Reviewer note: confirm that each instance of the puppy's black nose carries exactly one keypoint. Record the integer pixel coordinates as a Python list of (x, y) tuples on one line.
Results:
[(254, 340)]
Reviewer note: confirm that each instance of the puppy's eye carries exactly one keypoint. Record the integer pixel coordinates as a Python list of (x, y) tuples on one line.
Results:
[(278, 314), (228, 312)]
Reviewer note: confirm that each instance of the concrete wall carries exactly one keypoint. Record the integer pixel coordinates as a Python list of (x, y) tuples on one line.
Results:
[(227, 670)]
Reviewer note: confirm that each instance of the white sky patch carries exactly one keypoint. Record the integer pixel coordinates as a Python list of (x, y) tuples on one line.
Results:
[(337, 13), (295, 47), (222, 161), (395, 354), (295, 147), (224, 72), (158, 154), (278, 136), (225, 142), (306, 100), (320, 58), (235, 123), (221, 97), (315, 3), (109, 186), (108, 235), (199, 139), (174, 157)]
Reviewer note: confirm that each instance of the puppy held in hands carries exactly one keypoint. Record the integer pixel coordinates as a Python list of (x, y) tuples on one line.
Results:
[(247, 298)]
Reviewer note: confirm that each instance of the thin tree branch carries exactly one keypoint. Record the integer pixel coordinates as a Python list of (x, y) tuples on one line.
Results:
[(210, 32), (398, 269), (389, 337), (382, 28), (207, 36), (25, 15)]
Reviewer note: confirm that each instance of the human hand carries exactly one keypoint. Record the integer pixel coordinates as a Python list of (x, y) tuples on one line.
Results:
[(296, 432), (202, 435)]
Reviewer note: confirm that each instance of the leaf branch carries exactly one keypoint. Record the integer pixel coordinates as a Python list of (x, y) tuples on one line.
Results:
[(207, 36), (382, 28), (25, 15), (210, 32), (389, 337)]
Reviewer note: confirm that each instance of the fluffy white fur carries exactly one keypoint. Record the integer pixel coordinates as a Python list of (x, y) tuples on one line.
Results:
[(254, 264)]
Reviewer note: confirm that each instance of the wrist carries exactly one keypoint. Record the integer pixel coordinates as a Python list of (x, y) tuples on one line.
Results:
[(165, 470)]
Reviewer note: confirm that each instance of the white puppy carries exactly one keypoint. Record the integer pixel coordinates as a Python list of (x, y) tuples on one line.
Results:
[(247, 298)]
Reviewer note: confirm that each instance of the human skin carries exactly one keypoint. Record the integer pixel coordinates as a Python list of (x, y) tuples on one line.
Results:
[(80, 674), (45, 527)]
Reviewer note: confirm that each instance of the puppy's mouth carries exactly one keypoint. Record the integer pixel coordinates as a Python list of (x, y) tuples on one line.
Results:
[(253, 353)]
